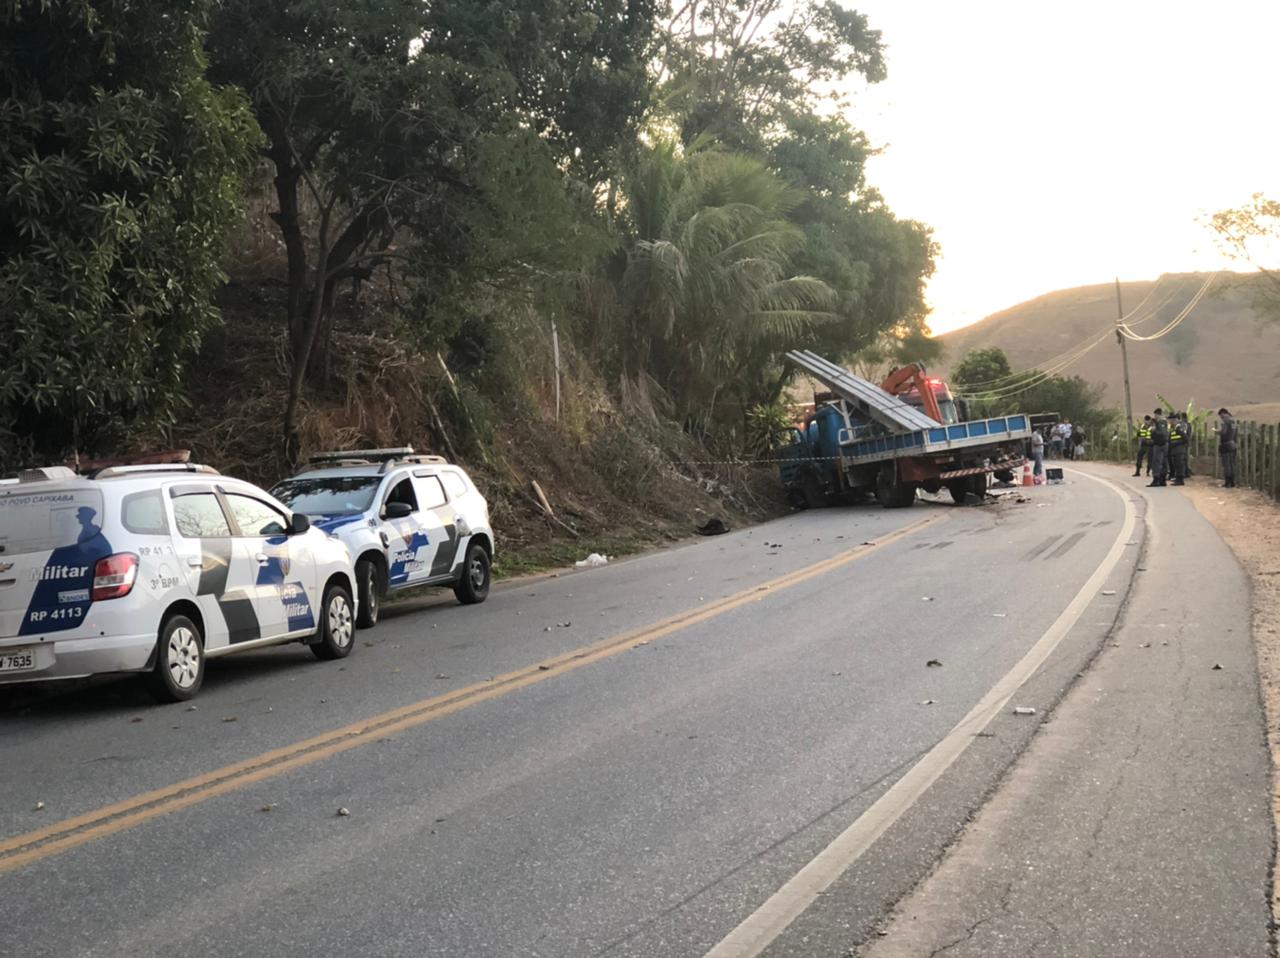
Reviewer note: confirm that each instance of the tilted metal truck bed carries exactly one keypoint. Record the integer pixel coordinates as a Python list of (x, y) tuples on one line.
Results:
[(957, 437)]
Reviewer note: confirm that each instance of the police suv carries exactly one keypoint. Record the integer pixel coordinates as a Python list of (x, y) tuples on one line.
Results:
[(408, 519), (155, 568)]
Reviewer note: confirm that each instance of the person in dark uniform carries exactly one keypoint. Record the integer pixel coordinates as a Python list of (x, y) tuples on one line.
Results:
[(1159, 449), (1179, 434), (1143, 430), (1227, 448)]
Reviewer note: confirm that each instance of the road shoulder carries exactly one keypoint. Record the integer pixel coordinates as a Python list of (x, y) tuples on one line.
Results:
[(1138, 822), (1249, 522)]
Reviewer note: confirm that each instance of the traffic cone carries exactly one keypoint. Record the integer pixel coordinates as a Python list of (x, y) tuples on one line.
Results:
[(1027, 480)]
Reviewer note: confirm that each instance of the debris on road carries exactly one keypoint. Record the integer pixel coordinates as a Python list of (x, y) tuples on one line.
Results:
[(1108, 591), (928, 702), (343, 812), (1023, 710), (712, 527), (933, 664), (1216, 667), (593, 561), (191, 708), (230, 718), (544, 668), (926, 598), (39, 807), (135, 720), (441, 675), (999, 615), (270, 807)]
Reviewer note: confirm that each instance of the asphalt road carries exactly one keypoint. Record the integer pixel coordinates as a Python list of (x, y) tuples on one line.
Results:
[(626, 761)]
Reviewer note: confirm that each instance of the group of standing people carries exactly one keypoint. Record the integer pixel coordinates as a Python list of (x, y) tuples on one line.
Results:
[(1066, 441), (1164, 444)]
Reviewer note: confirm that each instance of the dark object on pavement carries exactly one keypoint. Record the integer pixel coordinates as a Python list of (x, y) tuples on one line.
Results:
[(712, 527)]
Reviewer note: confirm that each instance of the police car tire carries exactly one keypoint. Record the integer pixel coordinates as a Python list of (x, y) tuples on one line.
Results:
[(331, 645), (468, 591), (367, 584), (160, 680)]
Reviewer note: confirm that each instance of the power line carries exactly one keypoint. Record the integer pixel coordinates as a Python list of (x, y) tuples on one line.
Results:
[(1001, 382), (1177, 320)]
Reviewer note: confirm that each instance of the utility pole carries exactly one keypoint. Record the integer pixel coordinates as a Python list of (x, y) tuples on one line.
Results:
[(1124, 359)]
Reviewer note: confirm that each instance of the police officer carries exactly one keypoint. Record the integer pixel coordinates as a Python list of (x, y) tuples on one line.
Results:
[(1227, 448), (1179, 434), (1143, 430), (1159, 449)]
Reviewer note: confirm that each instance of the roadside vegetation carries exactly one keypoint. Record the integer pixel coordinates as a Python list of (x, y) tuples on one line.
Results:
[(263, 227)]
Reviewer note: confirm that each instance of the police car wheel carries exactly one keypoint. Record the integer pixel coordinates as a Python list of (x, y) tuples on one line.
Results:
[(367, 584), (179, 668), (473, 585), (337, 625)]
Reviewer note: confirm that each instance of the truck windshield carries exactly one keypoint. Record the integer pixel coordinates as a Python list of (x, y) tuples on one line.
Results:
[(948, 409), (328, 495)]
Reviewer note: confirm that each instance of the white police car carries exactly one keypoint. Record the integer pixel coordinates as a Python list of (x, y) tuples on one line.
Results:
[(409, 520), (154, 568)]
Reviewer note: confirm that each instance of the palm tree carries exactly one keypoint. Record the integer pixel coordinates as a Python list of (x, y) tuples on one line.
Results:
[(707, 290)]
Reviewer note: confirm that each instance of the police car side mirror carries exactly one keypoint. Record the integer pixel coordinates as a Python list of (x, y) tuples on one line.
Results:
[(397, 510), (299, 524)]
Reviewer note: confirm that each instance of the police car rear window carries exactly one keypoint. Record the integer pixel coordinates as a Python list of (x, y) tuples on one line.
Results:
[(37, 522), (328, 495)]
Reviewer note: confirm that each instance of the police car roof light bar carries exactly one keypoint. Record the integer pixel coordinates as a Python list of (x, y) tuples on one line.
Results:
[(166, 457), (362, 455), (109, 471)]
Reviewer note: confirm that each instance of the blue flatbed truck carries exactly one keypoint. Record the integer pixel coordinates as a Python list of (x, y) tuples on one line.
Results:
[(861, 440)]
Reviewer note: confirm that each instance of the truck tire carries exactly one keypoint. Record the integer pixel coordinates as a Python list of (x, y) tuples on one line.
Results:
[(815, 496), (892, 493), (968, 486)]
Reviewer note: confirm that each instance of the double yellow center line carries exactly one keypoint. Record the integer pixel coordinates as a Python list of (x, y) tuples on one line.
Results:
[(32, 847)]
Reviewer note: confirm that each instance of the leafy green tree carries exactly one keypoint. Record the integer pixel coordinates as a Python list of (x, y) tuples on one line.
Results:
[(982, 370), (121, 173), (708, 297), (394, 128), (736, 68), (1251, 234)]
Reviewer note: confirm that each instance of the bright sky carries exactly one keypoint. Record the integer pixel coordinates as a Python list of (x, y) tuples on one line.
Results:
[(1053, 145)]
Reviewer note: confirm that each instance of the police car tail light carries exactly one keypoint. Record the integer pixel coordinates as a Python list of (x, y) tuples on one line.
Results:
[(113, 577)]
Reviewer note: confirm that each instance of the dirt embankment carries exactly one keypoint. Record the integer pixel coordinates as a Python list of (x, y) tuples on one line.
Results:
[(619, 478), (1250, 523)]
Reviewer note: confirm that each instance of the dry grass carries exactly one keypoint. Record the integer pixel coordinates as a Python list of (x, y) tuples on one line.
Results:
[(1222, 355), (623, 480)]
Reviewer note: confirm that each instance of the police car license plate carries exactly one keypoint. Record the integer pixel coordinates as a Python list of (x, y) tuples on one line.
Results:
[(17, 660)]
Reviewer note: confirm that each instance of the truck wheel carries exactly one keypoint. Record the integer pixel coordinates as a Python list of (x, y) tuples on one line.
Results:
[(814, 496), (959, 488), (892, 493), (367, 585), (1004, 475), (179, 669)]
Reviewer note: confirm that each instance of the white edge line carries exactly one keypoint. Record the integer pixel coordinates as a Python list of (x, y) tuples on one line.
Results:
[(784, 906)]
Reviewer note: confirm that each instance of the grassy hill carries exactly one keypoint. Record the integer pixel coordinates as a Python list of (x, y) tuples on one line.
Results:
[(1224, 353)]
